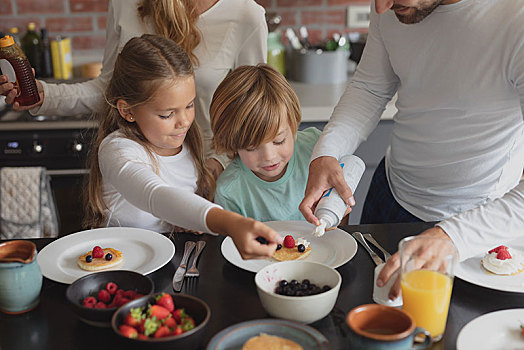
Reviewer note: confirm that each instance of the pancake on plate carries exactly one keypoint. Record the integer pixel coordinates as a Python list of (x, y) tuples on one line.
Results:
[(100, 263), (270, 342)]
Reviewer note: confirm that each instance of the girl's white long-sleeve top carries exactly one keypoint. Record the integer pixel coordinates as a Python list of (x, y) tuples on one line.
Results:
[(137, 196), (234, 33)]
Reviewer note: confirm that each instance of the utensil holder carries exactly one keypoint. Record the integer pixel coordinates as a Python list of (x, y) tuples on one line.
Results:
[(325, 67)]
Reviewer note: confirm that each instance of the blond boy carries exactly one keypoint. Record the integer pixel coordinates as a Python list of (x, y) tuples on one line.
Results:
[(254, 117)]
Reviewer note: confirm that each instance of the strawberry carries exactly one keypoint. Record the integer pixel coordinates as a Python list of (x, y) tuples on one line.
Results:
[(128, 331), (100, 305), (522, 329), (134, 318), (496, 250), (159, 312), (178, 330), (289, 242), (97, 252), (89, 302), (104, 296), (503, 254), (142, 336), (111, 287), (178, 315), (161, 332), (166, 301), (170, 322)]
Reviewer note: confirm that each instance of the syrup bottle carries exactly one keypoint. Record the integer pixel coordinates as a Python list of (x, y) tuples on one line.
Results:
[(15, 65)]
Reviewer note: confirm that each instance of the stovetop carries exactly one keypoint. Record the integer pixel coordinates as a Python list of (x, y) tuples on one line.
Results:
[(20, 121)]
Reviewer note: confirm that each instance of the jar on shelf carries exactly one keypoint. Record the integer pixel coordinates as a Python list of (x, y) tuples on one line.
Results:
[(276, 52)]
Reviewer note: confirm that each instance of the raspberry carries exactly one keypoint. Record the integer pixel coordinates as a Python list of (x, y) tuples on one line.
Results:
[(503, 254), (496, 250), (104, 296), (100, 305), (98, 252), (289, 242), (89, 302), (111, 287)]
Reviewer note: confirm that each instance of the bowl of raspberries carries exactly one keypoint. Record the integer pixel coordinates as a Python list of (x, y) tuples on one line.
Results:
[(162, 320), (96, 297)]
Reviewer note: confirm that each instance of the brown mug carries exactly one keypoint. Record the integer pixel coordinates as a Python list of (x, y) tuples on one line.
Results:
[(381, 327)]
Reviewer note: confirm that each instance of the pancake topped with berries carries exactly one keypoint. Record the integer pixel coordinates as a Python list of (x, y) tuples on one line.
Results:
[(100, 259), (292, 250)]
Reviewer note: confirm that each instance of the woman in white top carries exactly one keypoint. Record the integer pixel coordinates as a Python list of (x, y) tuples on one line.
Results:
[(218, 35)]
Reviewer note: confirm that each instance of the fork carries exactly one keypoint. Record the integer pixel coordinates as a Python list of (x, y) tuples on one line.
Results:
[(193, 271), (370, 238)]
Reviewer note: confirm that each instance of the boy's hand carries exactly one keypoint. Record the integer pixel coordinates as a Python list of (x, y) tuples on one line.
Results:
[(324, 173)]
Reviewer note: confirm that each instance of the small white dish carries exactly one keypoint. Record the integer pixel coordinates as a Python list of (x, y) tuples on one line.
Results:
[(144, 251), (334, 249), (305, 309), (499, 330)]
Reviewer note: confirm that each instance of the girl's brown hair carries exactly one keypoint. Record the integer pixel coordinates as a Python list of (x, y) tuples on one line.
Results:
[(174, 19), (249, 106), (143, 65)]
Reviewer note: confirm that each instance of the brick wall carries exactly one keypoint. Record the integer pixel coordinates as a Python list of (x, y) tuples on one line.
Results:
[(84, 20)]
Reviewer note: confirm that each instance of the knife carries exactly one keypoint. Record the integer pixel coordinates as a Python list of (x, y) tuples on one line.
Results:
[(178, 279), (358, 236)]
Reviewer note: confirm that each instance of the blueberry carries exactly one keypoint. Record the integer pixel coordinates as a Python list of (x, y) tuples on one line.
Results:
[(301, 248), (262, 240), (325, 288), (89, 258), (283, 283), (109, 256), (279, 290), (306, 282), (293, 282), (279, 246), (299, 293)]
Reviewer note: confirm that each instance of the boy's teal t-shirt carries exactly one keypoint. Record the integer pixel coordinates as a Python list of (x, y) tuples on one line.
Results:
[(240, 190)]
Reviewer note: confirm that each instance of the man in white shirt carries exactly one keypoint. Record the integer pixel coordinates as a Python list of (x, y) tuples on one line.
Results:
[(458, 139)]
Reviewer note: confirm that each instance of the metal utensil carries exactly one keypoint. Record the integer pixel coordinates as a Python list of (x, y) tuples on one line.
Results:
[(178, 279), (358, 236), (193, 271), (370, 238)]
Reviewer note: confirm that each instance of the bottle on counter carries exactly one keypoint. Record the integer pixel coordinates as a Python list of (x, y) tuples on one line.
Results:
[(331, 207), (15, 33), (15, 65), (31, 47), (276, 52), (46, 64)]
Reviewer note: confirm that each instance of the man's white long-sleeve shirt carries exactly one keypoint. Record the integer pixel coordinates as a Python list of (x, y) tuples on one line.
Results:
[(458, 136)]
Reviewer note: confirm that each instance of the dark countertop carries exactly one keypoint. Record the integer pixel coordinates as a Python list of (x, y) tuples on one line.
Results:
[(232, 297)]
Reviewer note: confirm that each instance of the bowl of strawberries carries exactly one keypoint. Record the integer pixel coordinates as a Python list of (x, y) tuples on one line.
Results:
[(163, 319), (95, 297)]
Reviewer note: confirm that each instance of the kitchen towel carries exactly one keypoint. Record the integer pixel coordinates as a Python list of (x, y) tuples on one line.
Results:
[(27, 207)]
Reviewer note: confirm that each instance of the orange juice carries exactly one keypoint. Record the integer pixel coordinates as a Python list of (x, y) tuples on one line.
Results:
[(426, 296)]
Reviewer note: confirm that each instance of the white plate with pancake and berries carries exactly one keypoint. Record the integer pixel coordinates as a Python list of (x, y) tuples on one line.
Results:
[(498, 330), (500, 268), (335, 248), (123, 248)]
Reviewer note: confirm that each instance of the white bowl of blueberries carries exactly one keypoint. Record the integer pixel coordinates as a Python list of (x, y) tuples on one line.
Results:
[(300, 291)]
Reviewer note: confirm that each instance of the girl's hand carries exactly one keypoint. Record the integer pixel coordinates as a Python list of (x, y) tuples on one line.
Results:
[(10, 92), (181, 229), (244, 232)]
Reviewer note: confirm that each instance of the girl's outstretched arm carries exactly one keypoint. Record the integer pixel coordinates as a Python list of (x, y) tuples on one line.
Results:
[(244, 232)]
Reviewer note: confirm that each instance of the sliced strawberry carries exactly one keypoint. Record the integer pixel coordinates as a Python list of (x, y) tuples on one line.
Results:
[(289, 242), (97, 252), (128, 331), (161, 332), (496, 250), (503, 255), (159, 312), (89, 302), (111, 287), (166, 301), (104, 296)]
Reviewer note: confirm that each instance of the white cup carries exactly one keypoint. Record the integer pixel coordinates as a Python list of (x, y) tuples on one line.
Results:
[(380, 294)]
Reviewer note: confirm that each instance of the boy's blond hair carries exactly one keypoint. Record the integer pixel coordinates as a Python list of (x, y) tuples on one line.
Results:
[(249, 106)]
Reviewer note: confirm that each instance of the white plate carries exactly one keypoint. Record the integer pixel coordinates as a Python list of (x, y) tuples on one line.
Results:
[(471, 270), (144, 251), (335, 248), (498, 330)]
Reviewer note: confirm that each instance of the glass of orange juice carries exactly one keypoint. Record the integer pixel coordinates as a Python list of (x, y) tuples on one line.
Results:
[(427, 266)]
